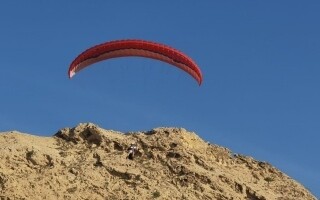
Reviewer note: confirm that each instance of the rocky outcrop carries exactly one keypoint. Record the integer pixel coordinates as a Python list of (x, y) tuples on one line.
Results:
[(88, 162)]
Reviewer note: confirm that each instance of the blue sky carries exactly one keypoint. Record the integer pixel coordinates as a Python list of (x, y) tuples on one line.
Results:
[(260, 61)]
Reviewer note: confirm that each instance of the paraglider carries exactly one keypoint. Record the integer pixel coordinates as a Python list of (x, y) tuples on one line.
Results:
[(140, 48)]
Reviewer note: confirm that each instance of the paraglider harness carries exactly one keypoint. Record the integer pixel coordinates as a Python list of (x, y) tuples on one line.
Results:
[(131, 151)]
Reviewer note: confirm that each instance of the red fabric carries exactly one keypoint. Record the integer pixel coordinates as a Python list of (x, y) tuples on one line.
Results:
[(120, 48)]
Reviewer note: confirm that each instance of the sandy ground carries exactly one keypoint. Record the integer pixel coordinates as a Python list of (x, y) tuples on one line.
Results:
[(88, 162)]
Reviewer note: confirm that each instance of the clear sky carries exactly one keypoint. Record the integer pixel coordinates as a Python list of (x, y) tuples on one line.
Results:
[(260, 61)]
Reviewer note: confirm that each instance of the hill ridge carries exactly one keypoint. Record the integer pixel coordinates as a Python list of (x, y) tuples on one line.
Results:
[(89, 162)]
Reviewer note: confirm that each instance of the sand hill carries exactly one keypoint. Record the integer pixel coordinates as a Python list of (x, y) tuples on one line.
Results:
[(88, 162)]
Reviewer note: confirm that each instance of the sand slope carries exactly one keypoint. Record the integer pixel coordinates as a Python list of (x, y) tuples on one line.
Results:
[(88, 162)]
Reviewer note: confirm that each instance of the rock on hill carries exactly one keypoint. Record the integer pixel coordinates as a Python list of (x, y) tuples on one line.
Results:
[(88, 162)]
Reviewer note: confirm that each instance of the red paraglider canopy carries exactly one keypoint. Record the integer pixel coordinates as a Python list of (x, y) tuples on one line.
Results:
[(141, 48)]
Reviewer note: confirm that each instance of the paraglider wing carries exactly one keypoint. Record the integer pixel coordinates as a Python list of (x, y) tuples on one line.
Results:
[(141, 48)]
